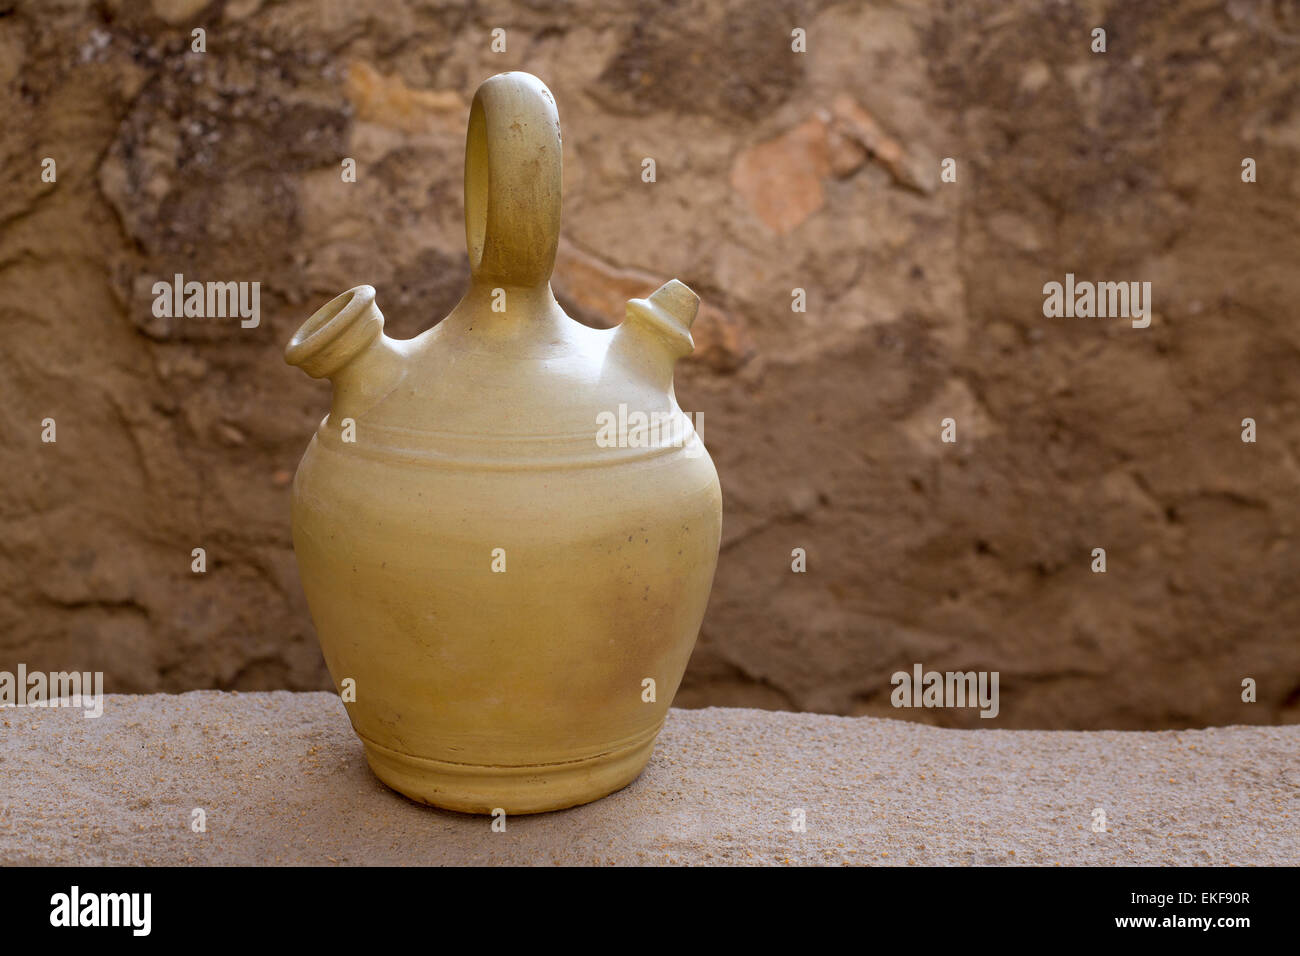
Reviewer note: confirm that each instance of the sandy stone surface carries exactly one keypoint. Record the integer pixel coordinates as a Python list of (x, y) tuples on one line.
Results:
[(282, 780)]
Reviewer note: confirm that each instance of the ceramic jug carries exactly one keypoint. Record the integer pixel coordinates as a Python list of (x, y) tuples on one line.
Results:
[(507, 569)]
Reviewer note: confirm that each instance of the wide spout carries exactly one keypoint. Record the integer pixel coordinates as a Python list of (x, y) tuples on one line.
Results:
[(344, 341)]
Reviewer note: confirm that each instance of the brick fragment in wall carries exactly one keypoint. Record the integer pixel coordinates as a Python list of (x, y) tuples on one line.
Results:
[(782, 178)]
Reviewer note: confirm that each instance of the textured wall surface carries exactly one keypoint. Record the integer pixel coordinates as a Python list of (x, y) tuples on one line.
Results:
[(776, 170)]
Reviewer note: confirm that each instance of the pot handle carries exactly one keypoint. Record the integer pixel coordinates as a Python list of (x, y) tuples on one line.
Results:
[(512, 181)]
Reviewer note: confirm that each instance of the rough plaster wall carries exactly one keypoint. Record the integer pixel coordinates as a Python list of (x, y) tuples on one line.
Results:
[(775, 171)]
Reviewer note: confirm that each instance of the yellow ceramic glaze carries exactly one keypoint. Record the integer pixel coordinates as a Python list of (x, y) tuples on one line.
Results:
[(496, 565)]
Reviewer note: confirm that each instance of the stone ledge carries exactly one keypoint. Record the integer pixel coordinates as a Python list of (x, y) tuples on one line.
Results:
[(283, 780)]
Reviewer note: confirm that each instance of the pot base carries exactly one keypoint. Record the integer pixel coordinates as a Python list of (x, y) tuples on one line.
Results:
[(520, 789)]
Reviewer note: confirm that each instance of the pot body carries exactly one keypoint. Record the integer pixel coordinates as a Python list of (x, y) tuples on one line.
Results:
[(500, 620), (506, 597)]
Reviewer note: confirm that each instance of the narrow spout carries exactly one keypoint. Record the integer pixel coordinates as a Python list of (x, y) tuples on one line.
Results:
[(344, 341), (656, 331)]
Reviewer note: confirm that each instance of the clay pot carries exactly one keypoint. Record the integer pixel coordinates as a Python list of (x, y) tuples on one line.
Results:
[(510, 581)]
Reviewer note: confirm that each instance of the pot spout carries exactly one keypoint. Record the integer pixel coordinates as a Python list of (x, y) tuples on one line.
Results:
[(344, 341), (656, 331)]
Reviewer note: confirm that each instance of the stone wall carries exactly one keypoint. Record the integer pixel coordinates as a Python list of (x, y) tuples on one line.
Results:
[(776, 171)]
